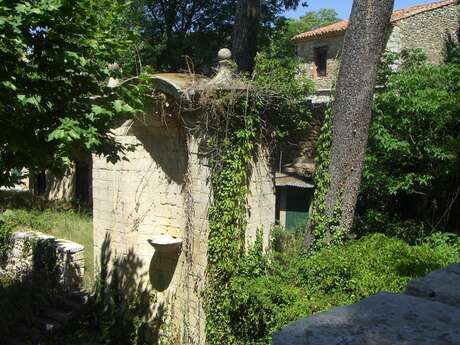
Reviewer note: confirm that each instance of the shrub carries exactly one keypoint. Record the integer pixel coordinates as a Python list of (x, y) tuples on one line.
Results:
[(6, 236), (411, 177), (295, 284)]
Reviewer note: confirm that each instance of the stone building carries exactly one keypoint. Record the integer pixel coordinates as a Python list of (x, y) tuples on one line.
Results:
[(151, 210), (294, 182), (427, 26), (73, 186)]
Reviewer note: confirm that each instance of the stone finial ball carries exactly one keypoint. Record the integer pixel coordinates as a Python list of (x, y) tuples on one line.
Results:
[(224, 54)]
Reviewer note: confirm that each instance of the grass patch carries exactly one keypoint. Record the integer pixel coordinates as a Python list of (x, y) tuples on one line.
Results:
[(66, 224)]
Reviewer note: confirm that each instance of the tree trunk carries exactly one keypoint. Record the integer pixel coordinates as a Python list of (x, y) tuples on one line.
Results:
[(363, 46), (245, 33)]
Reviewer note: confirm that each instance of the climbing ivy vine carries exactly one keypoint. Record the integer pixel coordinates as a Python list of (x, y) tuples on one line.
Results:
[(323, 229), (233, 146), (240, 122)]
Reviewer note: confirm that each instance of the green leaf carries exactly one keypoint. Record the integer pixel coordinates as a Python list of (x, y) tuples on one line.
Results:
[(122, 107)]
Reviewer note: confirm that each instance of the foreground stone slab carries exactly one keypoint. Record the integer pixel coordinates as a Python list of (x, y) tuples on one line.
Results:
[(383, 319), (442, 285)]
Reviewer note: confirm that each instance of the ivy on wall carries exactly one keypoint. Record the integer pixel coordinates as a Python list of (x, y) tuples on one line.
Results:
[(230, 171), (323, 229), (240, 121)]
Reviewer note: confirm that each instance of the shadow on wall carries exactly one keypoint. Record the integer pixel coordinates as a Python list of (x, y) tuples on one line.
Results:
[(168, 149), (162, 268), (124, 308)]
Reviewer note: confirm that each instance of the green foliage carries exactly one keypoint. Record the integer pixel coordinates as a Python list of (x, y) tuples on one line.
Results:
[(55, 57), (269, 110), (227, 214), (278, 66), (411, 175), (313, 20), (238, 123), (281, 46), (290, 113), (174, 30), (294, 285), (323, 229), (6, 237)]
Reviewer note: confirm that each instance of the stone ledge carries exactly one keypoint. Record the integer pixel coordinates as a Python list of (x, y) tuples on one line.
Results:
[(428, 314), (382, 319), (62, 246), (69, 258), (442, 285)]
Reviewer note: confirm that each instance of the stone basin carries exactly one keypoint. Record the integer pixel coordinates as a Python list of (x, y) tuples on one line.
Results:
[(165, 243)]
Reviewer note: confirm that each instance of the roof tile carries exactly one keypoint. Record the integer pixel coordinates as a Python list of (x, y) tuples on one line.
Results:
[(333, 29)]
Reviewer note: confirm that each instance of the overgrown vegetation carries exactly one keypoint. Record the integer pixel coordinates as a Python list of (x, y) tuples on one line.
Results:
[(272, 290), (227, 216), (323, 230), (241, 124), (411, 180), (6, 238), (119, 308), (410, 184)]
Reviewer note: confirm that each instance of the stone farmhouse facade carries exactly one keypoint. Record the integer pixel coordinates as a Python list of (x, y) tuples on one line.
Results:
[(150, 211), (427, 27)]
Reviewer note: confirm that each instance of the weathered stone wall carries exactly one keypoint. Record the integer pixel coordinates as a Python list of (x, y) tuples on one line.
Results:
[(261, 199), (141, 196), (394, 40), (60, 188), (145, 196), (69, 258), (429, 31), (188, 315), (306, 51), (163, 188)]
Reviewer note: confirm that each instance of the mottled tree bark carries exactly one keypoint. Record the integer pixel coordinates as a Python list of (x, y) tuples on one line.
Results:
[(244, 47), (364, 43), (363, 46)]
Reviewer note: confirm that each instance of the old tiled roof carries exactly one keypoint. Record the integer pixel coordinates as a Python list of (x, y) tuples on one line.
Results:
[(324, 31), (336, 28)]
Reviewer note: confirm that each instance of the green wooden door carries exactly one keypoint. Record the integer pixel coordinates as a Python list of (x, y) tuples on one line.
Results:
[(297, 207)]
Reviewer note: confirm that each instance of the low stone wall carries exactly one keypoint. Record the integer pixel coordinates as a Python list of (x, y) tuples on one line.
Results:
[(67, 258)]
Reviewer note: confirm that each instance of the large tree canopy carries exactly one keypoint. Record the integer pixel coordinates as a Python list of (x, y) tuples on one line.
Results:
[(281, 46), (54, 59), (174, 29)]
